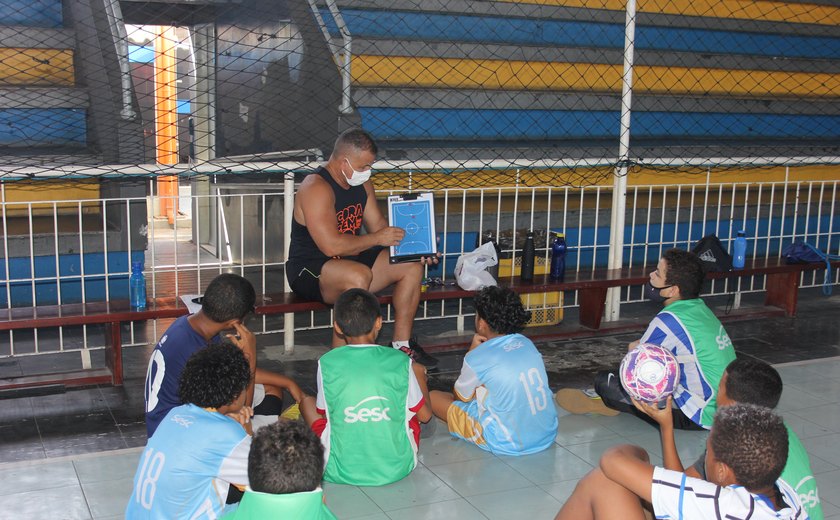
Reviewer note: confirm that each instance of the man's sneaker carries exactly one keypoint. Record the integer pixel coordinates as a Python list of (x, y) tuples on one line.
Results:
[(583, 401), (416, 352)]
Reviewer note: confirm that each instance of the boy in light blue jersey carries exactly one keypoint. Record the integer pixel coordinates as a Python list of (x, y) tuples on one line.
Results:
[(200, 449), (502, 402)]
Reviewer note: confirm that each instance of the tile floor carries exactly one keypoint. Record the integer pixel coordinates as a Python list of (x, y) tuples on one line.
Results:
[(452, 479)]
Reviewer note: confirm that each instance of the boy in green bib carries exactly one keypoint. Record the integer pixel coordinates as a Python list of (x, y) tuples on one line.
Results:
[(284, 469), (370, 398), (748, 381)]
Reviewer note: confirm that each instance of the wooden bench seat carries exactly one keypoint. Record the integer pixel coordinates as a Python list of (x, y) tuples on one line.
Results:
[(782, 284)]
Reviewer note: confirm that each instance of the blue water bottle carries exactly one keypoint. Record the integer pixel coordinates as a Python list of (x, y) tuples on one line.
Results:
[(739, 250), (558, 257), (137, 286)]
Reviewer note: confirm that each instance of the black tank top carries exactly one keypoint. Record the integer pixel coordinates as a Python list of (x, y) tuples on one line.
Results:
[(349, 210)]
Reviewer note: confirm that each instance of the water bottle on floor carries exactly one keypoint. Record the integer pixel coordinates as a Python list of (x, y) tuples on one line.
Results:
[(137, 287), (558, 257)]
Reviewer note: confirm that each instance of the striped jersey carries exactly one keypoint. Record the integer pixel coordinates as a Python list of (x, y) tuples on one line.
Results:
[(695, 336), (677, 496)]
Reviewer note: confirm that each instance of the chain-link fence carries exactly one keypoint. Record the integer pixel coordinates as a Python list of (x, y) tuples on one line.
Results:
[(459, 93)]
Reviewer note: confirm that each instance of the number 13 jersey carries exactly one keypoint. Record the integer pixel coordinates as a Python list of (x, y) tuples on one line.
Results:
[(506, 388)]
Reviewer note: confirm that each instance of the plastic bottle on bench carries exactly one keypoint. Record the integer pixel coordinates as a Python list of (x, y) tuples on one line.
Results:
[(739, 250), (526, 273), (137, 286), (558, 257)]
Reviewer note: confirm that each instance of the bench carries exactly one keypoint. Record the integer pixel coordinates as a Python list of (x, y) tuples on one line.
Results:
[(782, 284)]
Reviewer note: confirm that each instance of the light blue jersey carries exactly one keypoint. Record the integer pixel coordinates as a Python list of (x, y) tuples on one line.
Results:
[(188, 466), (505, 403)]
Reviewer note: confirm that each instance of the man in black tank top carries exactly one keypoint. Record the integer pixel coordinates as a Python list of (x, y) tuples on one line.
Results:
[(328, 255)]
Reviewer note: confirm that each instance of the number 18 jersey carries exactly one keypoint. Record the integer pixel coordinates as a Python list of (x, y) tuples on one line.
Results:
[(505, 384)]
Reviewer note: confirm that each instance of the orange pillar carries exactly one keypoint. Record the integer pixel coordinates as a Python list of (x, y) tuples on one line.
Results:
[(166, 119)]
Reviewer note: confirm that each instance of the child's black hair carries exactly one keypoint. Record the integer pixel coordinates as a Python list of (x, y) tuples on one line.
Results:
[(214, 376), (356, 311), (753, 441), (502, 309), (228, 297), (285, 457), (753, 382)]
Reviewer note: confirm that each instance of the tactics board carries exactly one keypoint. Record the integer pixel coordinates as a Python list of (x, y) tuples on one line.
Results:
[(415, 213)]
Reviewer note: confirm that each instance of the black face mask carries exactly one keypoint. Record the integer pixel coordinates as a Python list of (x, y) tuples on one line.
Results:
[(654, 293)]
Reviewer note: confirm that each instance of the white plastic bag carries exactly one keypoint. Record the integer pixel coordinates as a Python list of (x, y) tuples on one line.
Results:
[(471, 268)]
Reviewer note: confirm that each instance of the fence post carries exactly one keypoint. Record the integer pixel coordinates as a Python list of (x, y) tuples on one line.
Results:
[(619, 199), (288, 215)]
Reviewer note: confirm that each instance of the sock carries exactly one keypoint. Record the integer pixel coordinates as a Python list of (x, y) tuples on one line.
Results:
[(399, 344)]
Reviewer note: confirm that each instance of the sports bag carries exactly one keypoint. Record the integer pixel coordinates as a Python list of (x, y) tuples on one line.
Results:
[(711, 252), (800, 252)]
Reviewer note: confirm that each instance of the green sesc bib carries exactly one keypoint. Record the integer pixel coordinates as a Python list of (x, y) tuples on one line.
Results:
[(265, 506), (368, 439), (798, 475)]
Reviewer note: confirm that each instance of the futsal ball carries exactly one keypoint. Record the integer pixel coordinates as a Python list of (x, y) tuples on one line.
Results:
[(649, 373)]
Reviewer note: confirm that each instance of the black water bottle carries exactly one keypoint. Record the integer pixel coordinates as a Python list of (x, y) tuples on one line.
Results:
[(526, 274)]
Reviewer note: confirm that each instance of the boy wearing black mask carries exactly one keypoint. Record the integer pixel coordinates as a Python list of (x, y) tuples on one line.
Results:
[(689, 329)]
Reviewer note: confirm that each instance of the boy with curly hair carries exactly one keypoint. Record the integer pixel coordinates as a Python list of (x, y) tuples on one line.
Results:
[(746, 451), (200, 449), (746, 381), (503, 400)]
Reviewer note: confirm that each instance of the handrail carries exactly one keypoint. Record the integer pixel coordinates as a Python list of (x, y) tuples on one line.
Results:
[(118, 33), (342, 55)]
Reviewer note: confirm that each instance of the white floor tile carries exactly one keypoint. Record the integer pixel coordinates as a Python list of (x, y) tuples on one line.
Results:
[(419, 488), (532, 503), (481, 476), (348, 501), (21, 479), (460, 509), (109, 497), (552, 465)]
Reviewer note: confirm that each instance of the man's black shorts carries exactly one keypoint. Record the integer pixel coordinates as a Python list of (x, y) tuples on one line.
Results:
[(304, 277)]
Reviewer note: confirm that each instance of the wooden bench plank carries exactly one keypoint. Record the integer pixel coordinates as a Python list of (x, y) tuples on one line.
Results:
[(782, 285)]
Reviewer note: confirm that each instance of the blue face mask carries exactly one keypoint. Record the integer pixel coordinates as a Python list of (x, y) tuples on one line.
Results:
[(654, 294)]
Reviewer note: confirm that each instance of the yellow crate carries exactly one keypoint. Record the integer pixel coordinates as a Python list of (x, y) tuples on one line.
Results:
[(541, 266), (546, 308)]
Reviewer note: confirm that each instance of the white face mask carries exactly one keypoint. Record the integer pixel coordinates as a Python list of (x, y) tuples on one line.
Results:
[(358, 178)]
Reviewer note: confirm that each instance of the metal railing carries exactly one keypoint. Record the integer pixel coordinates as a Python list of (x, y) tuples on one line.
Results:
[(70, 251)]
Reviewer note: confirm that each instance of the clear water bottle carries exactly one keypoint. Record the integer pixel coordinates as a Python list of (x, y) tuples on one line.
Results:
[(558, 257), (739, 250), (526, 273), (137, 286)]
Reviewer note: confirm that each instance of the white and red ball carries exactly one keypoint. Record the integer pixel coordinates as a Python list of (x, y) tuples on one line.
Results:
[(649, 373)]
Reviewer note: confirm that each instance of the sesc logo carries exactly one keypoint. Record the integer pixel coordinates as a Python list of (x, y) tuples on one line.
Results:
[(367, 413)]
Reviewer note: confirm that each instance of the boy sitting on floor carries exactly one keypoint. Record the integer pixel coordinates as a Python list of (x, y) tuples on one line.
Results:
[(228, 300), (369, 400), (748, 381), (504, 403), (746, 451), (284, 468), (200, 449)]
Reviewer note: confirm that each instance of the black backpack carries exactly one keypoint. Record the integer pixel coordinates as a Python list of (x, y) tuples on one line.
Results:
[(711, 252)]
